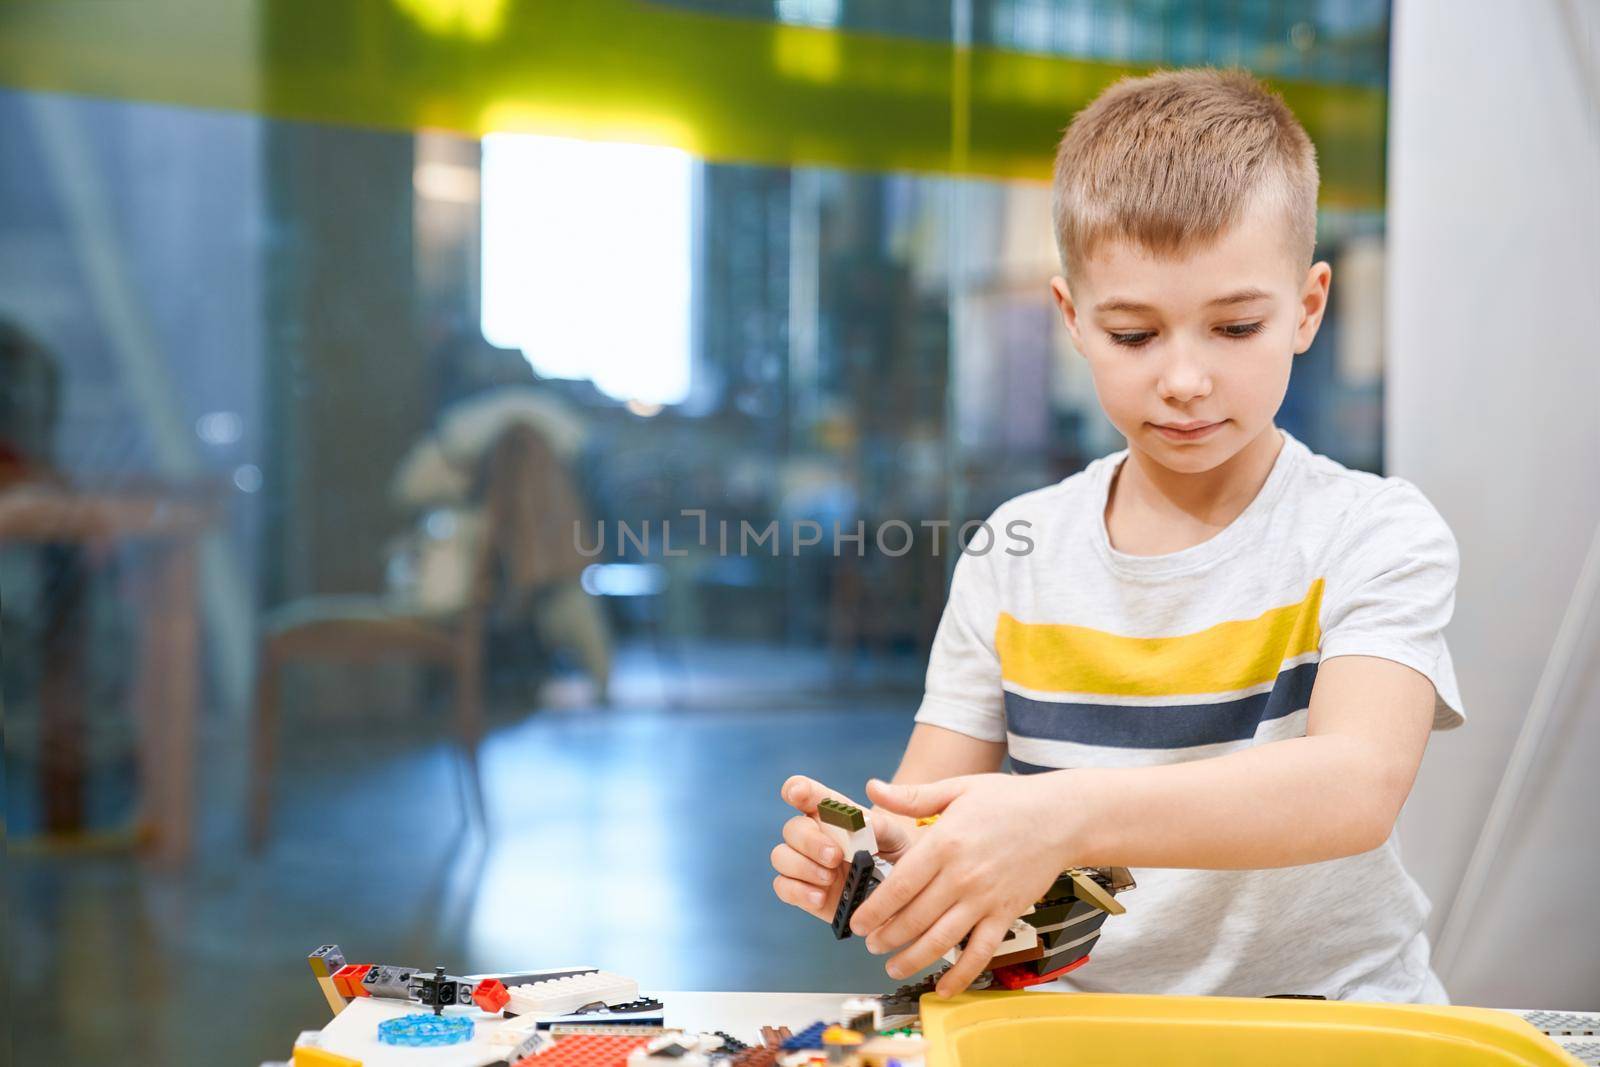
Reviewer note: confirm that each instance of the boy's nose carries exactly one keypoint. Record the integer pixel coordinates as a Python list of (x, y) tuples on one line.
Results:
[(1184, 379)]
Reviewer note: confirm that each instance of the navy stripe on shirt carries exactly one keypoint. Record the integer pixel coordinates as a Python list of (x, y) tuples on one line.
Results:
[(1162, 726)]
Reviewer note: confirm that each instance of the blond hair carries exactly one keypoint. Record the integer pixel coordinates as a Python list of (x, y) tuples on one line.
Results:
[(1170, 161)]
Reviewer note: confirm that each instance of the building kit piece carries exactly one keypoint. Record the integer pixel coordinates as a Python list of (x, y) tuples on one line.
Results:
[(425, 1031), (347, 980), (561, 996), (325, 961), (310, 1056), (439, 990), (810, 1037), (1021, 976), (848, 825), (388, 980), (560, 1029), (863, 1013), (529, 977), (585, 1050), (683, 1050), (490, 995), (1049, 939), (514, 1031), (859, 882)]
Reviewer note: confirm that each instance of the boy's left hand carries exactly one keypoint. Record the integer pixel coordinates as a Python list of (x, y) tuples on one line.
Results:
[(993, 852)]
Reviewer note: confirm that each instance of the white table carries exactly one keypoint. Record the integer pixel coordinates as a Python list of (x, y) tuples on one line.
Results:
[(354, 1032)]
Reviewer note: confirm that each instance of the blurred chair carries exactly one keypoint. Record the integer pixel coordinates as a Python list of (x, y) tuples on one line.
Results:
[(525, 545)]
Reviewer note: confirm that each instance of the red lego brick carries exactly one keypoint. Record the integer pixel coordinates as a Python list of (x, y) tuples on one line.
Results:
[(1017, 976), (491, 995), (347, 979), (586, 1050)]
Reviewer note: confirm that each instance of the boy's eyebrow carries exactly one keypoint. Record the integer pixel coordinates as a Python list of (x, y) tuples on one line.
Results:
[(1242, 296)]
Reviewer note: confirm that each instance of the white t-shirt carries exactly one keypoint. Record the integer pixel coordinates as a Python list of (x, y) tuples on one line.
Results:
[(1078, 655)]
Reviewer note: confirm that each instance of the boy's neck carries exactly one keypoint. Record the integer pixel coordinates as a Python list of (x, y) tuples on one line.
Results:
[(1153, 509)]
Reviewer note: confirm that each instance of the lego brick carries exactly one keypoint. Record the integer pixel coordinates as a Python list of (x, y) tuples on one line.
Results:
[(490, 995), (560, 1029), (1118, 879), (1020, 937), (847, 817), (347, 979), (388, 980), (1027, 955), (892, 1048), (1088, 889), (1020, 977), (634, 1013), (730, 1043), (321, 1057), (425, 1031), (1052, 916), (1072, 930), (586, 1050), (848, 825), (529, 977), (560, 996), (774, 1036), (325, 962), (863, 1013), (439, 990), (810, 1037), (859, 882), (513, 1031), (1061, 955)]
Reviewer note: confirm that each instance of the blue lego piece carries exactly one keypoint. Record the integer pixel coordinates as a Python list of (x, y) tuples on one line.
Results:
[(810, 1037), (425, 1031)]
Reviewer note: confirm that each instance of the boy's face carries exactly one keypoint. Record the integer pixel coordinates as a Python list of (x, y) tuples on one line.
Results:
[(1190, 356)]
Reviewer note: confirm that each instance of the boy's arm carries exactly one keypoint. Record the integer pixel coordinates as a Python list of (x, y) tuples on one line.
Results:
[(1335, 792), (934, 753), (1002, 839)]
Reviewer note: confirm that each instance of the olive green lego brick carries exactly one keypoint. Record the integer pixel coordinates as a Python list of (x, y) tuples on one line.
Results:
[(838, 813)]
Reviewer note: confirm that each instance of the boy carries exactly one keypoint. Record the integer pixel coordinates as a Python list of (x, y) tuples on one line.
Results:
[(1222, 658)]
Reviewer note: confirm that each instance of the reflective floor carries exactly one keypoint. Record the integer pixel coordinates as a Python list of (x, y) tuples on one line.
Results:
[(634, 838)]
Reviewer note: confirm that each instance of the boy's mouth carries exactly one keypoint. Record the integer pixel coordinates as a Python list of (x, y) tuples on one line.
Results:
[(1186, 431)]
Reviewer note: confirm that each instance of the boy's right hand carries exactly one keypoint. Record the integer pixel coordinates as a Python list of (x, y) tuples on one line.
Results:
[(809, 863)]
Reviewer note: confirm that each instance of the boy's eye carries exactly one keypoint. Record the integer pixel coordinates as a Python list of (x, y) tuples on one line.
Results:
[(1132, 340), (1242, 329)]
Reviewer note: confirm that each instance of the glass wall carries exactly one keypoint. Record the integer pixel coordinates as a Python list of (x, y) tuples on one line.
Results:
[(445, 547)]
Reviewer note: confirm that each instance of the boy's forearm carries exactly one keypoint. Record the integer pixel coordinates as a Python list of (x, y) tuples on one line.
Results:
[(934, 753), (1291, 802)]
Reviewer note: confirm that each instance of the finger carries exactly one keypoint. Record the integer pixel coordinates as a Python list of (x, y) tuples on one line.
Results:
[(791, 864), (806, 837), (909, 877), (893, 833), (939, 938), (986, 937), (917, 801), (806, 793), (807, 898), (911, 922)]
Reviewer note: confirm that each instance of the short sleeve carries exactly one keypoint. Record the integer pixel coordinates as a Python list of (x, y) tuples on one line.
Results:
[(963, 685), (1391, 588)]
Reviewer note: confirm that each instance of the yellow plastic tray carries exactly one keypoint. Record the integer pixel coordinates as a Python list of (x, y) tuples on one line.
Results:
[(1033, 1029)]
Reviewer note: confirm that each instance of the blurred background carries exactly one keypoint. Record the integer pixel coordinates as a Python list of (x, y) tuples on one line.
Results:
[(323, 326)]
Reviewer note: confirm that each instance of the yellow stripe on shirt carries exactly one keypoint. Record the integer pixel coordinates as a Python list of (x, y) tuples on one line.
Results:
[(1055, 657)]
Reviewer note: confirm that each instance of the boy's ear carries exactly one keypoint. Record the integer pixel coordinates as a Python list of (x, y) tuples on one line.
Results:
[(1069, 309), (1313, 305)]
